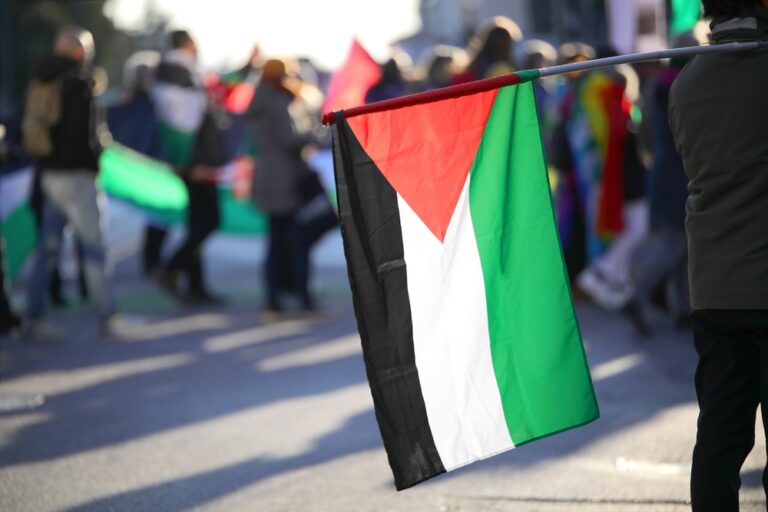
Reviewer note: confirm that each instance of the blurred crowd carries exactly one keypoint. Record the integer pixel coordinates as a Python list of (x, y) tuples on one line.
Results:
[(617, 182)]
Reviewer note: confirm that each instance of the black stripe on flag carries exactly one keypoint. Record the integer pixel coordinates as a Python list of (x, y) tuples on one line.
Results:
[(373, 245)]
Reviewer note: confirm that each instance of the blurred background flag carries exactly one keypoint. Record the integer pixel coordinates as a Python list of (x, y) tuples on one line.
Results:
[(17, 220), (155, 189), (685, 15), (351, 81)]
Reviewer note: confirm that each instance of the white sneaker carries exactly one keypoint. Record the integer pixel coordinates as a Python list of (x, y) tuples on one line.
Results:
[(607, 295)]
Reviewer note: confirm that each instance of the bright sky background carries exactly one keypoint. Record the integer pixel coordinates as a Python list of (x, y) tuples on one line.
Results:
[(319, 29)]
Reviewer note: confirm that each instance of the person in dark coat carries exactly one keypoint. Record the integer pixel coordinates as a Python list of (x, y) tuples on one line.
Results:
[(717, 112), (282, 130)]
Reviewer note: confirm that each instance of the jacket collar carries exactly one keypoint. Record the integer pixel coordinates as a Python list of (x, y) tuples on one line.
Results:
[(751, 24)]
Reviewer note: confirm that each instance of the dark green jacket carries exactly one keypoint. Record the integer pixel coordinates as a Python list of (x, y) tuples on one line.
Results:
[(718, 113)]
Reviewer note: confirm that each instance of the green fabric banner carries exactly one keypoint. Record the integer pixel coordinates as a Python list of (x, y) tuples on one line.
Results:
[(153, 186), (685, 14)]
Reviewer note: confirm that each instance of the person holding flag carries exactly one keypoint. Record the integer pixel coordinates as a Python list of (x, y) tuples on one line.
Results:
[(181, 104), (717, 113)]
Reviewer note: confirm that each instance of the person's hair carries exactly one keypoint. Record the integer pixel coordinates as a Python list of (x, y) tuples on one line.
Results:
[(73, 38), (179, 38), (723, 8), (569, 52)]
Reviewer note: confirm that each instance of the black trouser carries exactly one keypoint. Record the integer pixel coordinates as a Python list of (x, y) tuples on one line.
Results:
[(154, 238), (287, 261), (203, 219), (731, 381), (5, 306)]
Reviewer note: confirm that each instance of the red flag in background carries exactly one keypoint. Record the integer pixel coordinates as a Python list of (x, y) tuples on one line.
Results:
[(351, 81), (230, 92)]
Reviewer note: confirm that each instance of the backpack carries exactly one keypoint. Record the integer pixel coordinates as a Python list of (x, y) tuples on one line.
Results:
[(42, 111)]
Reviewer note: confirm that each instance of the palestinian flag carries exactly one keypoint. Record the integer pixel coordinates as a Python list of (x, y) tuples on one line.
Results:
[(469, 335), (155, 189)]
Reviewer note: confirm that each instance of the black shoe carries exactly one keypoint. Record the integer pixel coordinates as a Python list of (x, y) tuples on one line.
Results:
[(9, 321), (634, 312), (167, 280), (58, 301), (201, 297)]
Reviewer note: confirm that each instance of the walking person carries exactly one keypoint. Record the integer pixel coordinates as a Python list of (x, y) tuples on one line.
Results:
[(662, 258), (181, 104), (717, 112), (61, 129), (133, 123)]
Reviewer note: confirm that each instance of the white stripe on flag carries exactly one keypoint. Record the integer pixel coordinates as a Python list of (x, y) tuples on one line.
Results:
[(450, 331), (14, 190)]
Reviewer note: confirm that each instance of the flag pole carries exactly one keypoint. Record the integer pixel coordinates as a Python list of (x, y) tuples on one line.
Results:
[(488, 84), (647, 56)]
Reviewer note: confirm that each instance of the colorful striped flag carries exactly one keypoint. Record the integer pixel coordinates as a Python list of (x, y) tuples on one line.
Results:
[(469, 335)]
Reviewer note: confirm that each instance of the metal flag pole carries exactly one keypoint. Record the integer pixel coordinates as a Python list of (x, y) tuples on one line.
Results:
[(487, 84), (647, 56)]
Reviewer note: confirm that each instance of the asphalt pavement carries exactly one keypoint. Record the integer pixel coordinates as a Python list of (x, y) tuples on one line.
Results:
[(216, 409)]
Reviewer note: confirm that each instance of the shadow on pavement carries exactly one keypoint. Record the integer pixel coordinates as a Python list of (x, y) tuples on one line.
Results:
[(105, 393), (211, 383), (188, 492)]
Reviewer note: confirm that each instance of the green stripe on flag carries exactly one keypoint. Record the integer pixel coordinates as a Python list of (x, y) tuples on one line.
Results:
[(179, 145), (20, 236), (147, 183), (538, 357)]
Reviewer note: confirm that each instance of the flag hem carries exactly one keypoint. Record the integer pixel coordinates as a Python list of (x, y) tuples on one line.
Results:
[(565, 429)]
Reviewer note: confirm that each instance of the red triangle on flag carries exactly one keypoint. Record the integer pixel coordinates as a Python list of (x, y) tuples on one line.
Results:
[(426, 151)]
